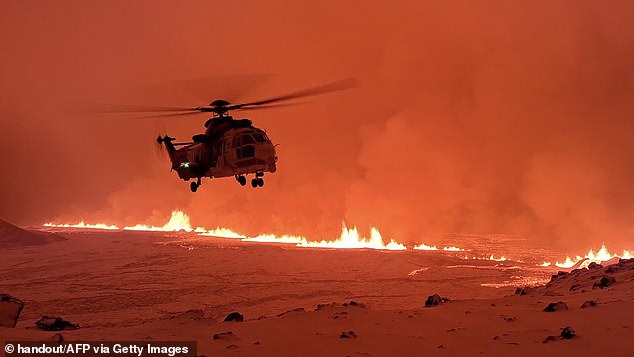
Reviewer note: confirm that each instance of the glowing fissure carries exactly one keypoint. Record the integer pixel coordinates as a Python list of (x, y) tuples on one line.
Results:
[(424, 246), (349, 239), (220, 232), (83, 225), (591, 257), (179, 221)]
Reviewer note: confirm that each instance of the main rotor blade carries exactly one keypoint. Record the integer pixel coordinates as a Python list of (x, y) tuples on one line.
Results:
[(346, 83), (141, 109), (282, 105), (168, 115)]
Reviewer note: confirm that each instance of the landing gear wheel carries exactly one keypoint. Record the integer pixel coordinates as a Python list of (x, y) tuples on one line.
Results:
[(260, 182), (242, 180), (254, 183), (193, 186)]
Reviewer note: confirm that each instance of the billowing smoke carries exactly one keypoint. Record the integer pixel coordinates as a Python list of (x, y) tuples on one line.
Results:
[(470, 117)]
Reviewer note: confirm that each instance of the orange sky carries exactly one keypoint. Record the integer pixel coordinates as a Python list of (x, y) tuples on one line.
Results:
[(475, 116)]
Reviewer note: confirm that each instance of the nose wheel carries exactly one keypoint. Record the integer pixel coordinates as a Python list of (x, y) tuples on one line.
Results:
[(257, 182), (195, 184)]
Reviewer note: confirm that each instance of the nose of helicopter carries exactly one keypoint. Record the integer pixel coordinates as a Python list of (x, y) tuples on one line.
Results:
[(270, 156)]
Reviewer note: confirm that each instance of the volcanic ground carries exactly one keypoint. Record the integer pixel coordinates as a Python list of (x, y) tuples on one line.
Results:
[(304, 301)]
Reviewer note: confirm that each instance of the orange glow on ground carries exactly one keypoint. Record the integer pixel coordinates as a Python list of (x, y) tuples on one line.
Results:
[(82, 225), (601, 255), (349, 239), (179, 221), (424, 246), (221, 233)]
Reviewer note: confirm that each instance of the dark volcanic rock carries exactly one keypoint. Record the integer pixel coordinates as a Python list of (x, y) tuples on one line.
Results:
[(299, 309), (605, 281), (10, 309), (574, 287), (434, 300), (48, 323), (194, 314), (521, 291), (235, 316), (338, 315), (223, 335), (556, 306), (324, 306), (594, 265), (354, 303), (559, 275), (550, 339), (567, 333), (626, 261), (612, 269), (349, 334), (57, 338), (589, 303)]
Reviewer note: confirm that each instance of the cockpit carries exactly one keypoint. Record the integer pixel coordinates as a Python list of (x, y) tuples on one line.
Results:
[(245, 142)]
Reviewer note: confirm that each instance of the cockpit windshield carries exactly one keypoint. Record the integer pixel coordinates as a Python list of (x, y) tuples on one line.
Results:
[(260, 137), (250, 138)]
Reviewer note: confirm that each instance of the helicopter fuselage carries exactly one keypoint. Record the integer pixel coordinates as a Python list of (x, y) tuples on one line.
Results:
[(234, 151)]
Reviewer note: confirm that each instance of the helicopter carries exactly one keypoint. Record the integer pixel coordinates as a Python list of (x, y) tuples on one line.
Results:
[(229, 147)]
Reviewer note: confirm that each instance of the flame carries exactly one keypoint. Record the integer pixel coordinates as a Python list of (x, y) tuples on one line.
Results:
[(271, 238), (350, 239), (491, 257), (220, 232), (600, 256), (500, 259), (178, 222), (424, 246), (83, 225), (453, 249)]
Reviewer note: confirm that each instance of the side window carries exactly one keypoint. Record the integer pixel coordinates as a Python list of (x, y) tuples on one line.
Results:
[(247, 139), (244, 145), (247, 151)]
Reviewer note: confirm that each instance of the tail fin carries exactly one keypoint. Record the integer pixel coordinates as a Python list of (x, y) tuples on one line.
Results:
[(171, 149)]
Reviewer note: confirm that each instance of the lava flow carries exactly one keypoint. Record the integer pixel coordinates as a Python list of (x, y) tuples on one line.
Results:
[(82, 225), (602, 255), (349, 239), (179, 221)]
